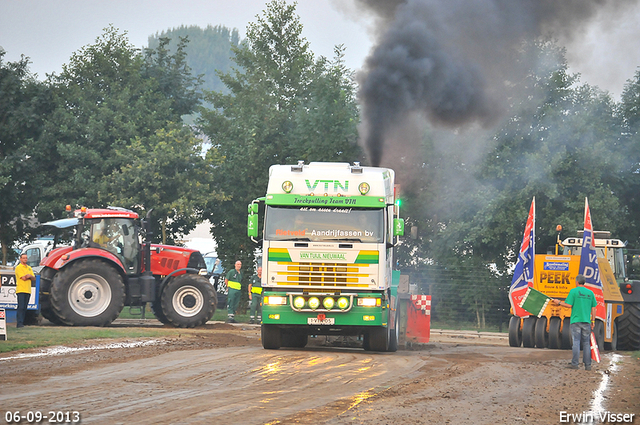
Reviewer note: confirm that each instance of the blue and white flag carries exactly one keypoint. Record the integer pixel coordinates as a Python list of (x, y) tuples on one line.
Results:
[(523, 274)]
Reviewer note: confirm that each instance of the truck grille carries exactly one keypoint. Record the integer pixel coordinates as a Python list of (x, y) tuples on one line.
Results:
[(360, 272)]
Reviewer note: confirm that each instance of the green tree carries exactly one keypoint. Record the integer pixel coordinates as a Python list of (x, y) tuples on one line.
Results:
[(207, 53), (110, 100), (168, 173), (282, 106), (629, 142), (24, 103)]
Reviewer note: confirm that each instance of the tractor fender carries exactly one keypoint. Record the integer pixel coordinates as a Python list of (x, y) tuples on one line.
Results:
[(85, 253), (176, 272)]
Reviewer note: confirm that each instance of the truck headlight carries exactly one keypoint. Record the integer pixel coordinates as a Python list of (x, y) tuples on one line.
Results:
[(328, 303), (314, 302), (343, 303), (298, 302)]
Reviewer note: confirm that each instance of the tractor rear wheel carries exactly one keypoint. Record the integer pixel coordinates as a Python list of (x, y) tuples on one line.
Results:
[(555, 337), (188, 301), (87, 293), (529, 332), (45, 302), (515, 333), (629, 327), (542, 336)]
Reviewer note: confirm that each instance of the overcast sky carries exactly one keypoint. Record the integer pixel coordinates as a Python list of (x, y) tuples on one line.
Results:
[(48, 31)]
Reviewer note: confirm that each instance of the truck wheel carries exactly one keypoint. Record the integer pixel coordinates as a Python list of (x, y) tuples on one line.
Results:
[(555, 337), (529, 332), (188, 301), (271, 337), (613, 345), (567, 339), (542, 336), (515, 333), (378, 339), (393, 334), (87, 293), (156, 307), (598, 331), (629, 327)]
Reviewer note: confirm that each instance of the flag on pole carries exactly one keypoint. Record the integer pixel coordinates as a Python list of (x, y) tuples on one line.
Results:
[(595, 351), (523, 274), (589, 263), (534, 302)]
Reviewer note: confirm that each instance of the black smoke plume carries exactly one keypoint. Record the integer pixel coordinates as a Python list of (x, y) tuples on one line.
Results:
[(453, 61)]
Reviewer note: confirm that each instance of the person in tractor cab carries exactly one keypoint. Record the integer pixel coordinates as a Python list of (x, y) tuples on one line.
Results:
[(101, 235)]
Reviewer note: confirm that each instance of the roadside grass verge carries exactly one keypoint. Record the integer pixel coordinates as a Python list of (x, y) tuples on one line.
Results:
[(45, 336)]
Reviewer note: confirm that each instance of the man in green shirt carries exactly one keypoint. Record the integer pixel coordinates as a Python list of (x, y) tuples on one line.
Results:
[(232, 280), (582, 303), (255, 295)]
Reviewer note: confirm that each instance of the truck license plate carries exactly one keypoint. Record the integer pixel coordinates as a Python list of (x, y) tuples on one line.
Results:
[(326, 321)]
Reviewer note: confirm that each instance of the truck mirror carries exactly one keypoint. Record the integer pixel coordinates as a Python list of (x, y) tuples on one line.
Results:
[(398, 227), (253, 208), (252, 225)]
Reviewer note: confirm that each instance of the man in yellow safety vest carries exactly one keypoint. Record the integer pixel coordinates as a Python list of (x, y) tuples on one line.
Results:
[(232, 280), (255, 295)]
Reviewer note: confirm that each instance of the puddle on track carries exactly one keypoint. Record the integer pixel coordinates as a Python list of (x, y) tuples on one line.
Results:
[(60, 350), (597, 404)]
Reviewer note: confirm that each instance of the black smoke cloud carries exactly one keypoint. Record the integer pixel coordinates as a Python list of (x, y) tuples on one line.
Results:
[(453, 61)]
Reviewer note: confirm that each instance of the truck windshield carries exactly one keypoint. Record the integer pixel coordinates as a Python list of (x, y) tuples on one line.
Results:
[(324, 224)]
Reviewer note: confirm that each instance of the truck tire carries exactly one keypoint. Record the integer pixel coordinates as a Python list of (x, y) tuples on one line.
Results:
[(529, 332), (542, 336), (271, 337), (188, 301), (567, 339), (629, 327), (555, 337), (515, 333), (378, 338), (394, 334), (87, 293)]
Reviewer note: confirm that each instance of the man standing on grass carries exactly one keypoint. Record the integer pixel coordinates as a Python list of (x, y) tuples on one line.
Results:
[(232, 280), (582, 303), (24, 278)]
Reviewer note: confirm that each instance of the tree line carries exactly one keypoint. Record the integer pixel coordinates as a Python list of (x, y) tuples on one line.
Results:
[(111, 129)]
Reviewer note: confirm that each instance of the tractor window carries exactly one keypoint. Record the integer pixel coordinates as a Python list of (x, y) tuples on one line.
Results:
[(119, 237)]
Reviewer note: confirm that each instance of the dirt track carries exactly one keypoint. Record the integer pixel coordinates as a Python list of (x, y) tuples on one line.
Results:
[(220, 374)]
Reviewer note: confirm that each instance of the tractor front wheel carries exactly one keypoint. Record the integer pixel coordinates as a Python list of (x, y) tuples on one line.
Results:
[(188, 301), (87, 293)]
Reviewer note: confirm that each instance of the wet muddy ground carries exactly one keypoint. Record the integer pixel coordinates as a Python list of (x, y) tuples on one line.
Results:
[(221, 374)]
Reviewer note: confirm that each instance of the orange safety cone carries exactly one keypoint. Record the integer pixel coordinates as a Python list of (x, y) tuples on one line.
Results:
[(595, 352)]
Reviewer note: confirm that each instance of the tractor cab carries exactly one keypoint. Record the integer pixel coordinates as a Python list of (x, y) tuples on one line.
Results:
[(611, 249)]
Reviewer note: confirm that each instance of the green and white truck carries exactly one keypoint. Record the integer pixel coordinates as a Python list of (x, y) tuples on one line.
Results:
[(327, 243)]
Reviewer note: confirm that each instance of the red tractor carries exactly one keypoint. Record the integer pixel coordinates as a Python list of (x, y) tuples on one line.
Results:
[(108, 266)]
